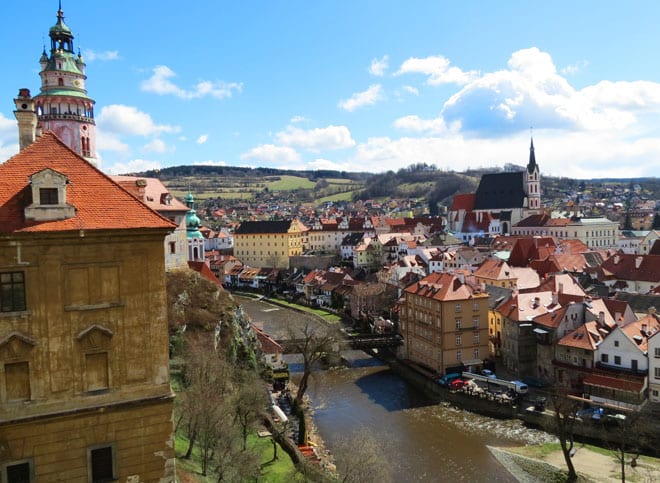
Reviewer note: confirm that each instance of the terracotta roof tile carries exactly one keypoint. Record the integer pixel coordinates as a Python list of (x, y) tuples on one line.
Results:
[(100, 203)]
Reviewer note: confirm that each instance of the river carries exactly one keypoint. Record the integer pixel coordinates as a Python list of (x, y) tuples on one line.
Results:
[(423, 441)]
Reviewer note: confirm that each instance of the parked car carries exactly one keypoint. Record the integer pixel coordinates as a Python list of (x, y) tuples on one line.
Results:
[(488, 373), (594, 413), (448, 378), (457, 384)]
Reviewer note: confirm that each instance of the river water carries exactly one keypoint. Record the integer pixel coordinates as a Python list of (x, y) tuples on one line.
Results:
[(422, 440)]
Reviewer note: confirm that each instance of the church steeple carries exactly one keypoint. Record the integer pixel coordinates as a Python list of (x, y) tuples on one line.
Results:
[(533, 180), (531, 166), (62, 105)]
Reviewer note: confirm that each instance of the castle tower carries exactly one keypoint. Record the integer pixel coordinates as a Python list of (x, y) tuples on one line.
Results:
[(533, 181), (62, 106), (194, 236)]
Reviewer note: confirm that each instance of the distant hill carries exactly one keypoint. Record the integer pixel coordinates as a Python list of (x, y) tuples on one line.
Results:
[(419, 181)]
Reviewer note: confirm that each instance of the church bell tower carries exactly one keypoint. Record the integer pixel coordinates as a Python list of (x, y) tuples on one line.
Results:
[(62, 105), (533, 181)]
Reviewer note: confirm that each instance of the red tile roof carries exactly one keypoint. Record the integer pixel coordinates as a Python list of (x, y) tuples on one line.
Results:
[(442, 286), (205, 272), (151, 191), (100, 203), (627, 383), (463, 202)]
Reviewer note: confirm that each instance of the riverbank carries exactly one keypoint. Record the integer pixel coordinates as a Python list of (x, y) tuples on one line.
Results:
[(593, 464)]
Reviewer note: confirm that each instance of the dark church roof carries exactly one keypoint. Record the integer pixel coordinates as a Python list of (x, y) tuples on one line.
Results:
[(500, 190), (263, 227)]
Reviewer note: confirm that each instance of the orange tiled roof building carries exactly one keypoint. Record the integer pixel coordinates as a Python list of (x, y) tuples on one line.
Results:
[(84, 377)]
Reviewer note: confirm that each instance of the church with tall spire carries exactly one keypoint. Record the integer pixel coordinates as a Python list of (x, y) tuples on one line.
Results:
[(501, 201), (62, 105)]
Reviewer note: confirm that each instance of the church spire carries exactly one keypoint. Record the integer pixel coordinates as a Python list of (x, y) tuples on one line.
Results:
[(531, 166)]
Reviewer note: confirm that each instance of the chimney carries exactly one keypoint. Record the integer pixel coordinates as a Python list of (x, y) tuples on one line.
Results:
[(616, 259), (537, 302), (555, 298), (27, 118), (651, 310), (638, 261), (601, 317), (644, 329), (560, 288)]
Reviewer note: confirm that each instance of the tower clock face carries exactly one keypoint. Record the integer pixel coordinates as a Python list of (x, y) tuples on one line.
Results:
[(76, 82)]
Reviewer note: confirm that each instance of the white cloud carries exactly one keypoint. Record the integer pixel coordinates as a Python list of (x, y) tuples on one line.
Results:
[(411, 90), (107, 141), (160, 83), (269, 153), (438, 70), (210, 163), (331, 137), (128, 120), (379, 66), (321, 163), (133, 166), (156, 146), (297, 119), (415, 123), (532, 93), (575, 68), (8, 130), (91, 55), (202, 139), (360, 99)]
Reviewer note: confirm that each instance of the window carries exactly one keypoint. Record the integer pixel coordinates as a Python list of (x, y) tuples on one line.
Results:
[(458, 307), (604, 358), (475, 306), (96, 371), (459, 356), (458, 339), (617, 360), (475, 338), (12, 291), (17, 381), (475, 322), (19, 472), (657, 372), (458, 324), (48, 196), (475, 353), (616, 343), (172, 248), (101, 464), (633, 364), (657, 352)]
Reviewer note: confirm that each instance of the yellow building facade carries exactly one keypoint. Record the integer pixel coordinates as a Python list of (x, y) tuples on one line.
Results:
[(268, 243), (84, 372)]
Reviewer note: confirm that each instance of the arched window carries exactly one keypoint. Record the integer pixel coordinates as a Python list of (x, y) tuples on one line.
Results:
[(60, 81)]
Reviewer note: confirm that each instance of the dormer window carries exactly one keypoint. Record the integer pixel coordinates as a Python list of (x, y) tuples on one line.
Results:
[(49, 197)]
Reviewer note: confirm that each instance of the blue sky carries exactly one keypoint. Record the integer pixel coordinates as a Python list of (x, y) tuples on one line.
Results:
[(357, 85)]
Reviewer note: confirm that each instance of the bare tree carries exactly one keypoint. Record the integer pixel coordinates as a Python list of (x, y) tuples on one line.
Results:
[(565, 409), (249, 402), (628, 433), (361, 458), (312, 342), (202, 405)]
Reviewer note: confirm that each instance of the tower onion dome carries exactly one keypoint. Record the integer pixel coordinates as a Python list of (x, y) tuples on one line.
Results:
[(193, 223), (60, 34)]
